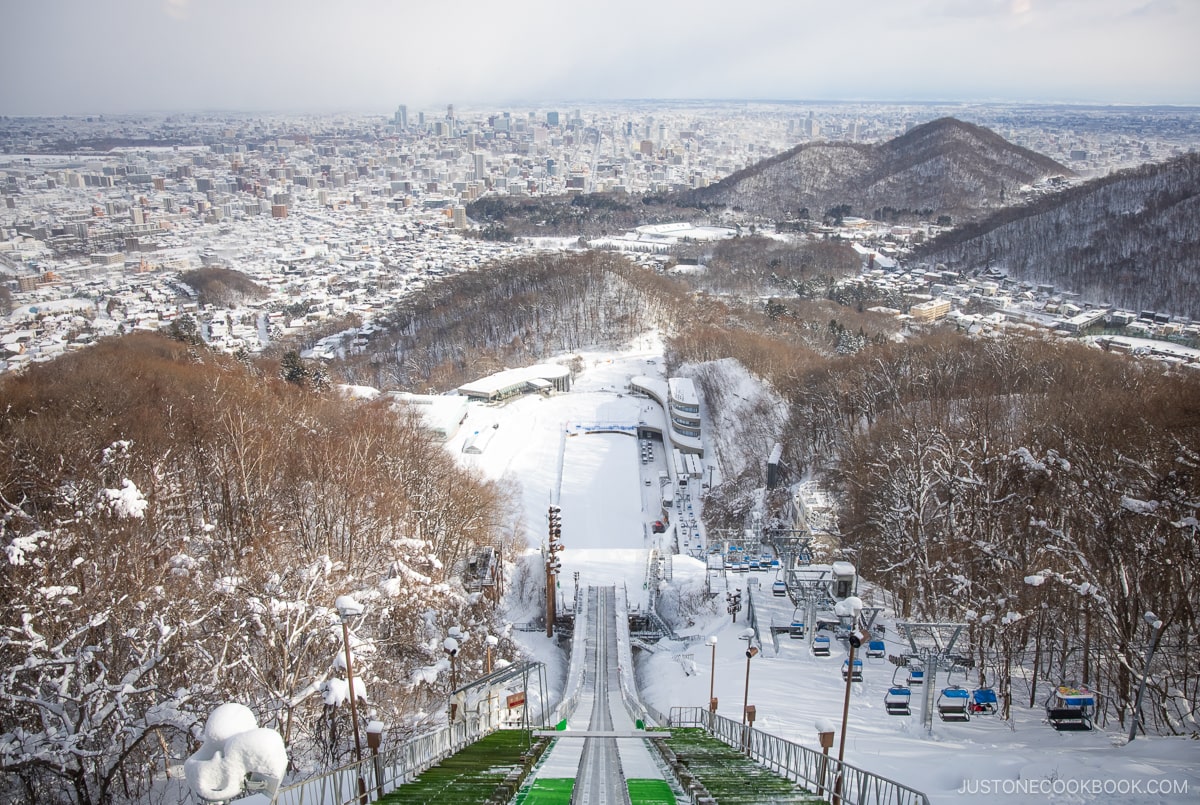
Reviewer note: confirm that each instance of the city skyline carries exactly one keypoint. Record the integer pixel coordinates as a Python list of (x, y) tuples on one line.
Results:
[(133, 56)]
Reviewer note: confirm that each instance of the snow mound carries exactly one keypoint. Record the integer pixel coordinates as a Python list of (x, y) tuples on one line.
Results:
[(235, 749)]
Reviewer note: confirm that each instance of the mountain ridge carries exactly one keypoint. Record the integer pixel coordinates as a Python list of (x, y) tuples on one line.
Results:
[(944, 167)]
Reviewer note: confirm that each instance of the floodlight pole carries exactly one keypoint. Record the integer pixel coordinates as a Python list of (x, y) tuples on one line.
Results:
[(553, 546)]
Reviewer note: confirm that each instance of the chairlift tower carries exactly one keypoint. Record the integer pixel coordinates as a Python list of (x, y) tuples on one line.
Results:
[(933, 644)]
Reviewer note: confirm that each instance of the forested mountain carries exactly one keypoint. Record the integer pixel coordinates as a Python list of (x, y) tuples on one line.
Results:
[(1131, 239), (945, 167)]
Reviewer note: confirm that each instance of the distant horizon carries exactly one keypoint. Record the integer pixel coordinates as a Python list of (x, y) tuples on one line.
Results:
[(563, 104), (125, 56)]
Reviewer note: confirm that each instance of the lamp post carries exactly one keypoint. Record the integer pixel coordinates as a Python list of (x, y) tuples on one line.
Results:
[(492, 641), (712, 676), (751, 651), (450, 645), (851, 607), (348, 608), (1157, 626)]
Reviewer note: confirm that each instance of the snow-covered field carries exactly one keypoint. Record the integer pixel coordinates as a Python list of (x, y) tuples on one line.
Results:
[(606, 510)]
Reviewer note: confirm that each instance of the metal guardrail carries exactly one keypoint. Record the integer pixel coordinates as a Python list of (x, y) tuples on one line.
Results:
[(575, 671), (382, 773), (808, 767)]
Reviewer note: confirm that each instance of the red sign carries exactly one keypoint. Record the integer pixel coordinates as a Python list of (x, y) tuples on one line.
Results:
[(516, 700)]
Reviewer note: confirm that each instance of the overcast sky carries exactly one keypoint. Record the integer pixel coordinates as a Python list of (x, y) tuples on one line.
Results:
[(114, 56)]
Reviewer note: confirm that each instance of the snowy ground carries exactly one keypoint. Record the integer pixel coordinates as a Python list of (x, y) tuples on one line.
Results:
[(606, 511)]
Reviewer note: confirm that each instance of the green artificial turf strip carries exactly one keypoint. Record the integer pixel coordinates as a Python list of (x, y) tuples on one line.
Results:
[(469, 776), (650, 792), (731, 777), (546, 791)]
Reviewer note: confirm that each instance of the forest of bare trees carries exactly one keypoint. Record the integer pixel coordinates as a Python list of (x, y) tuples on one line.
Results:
[(1044, 493), (470, 325), (1128, 239), (177, 529)]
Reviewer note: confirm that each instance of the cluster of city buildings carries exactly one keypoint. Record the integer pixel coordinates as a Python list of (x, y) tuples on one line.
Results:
[(342, 215)]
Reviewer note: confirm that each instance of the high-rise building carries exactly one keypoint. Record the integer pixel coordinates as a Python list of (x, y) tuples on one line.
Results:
[(460, 218), (480, 160), (552, 118), (400, 119)]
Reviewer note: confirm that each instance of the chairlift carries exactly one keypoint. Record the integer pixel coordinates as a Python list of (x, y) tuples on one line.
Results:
[(1070, 708), (796, 629), (897, 699), (983, 701), (876, 649), (820, 646), (779, 588), (857, 674), (916, 673), (954, 704)]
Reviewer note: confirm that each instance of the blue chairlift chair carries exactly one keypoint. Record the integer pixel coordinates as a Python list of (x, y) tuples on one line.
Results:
[(898, 698), (954, 704), (820, 645), (983, 701)]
